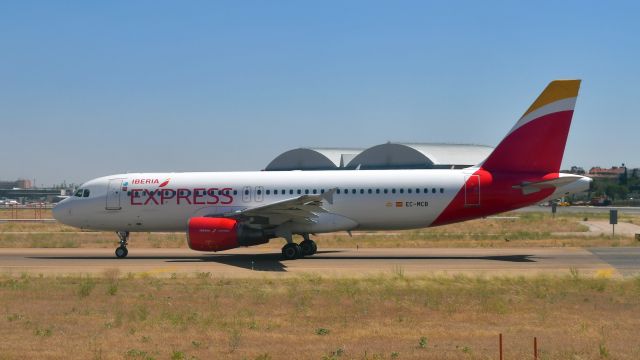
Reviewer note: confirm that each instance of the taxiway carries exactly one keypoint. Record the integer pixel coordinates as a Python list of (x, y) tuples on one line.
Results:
[(267, 262)]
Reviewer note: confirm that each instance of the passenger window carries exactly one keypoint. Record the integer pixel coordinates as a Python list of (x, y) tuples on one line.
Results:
[(377, 191), (235, 192), (321, 191), (283, 192), (259, 192), (409, 191), (86, 193), (299, 191), (246, 192), (361, 191), (441, 190), (401, 191), (290, 191), (386, 191), (268, 192), (79, 193), (433, 190), (353, 191), (275, 192), (306, 191), (426, 191), (393, 191), (315, 191), (417, 191), (337, 191), (370, 191)]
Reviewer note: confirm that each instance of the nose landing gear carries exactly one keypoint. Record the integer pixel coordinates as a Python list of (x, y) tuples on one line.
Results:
[(121, 251)]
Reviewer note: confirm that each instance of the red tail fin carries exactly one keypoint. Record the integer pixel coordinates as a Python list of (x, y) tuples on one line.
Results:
[(536, 143), (523, 168)]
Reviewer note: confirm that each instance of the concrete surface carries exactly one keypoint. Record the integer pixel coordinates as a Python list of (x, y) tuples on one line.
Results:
[(256, 262)]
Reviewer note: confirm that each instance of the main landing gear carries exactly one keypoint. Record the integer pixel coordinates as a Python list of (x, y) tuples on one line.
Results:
[(121, 251), (292, 251)]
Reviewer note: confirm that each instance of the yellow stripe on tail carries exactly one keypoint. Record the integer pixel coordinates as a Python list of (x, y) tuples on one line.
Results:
[(556, 90)]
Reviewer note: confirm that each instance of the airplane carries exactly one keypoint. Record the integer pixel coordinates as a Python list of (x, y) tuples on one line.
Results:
[(225, 210)]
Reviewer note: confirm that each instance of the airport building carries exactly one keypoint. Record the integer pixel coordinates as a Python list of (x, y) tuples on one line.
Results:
[(383, 156), (16, 184), (22, 191), (611, 172)]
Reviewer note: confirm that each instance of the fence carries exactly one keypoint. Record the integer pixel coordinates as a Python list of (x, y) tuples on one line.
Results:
[(31, 211)]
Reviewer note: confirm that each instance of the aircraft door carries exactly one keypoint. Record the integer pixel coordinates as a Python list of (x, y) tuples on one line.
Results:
[(113, 194), (246, 194), (259, 193), (472, 190)]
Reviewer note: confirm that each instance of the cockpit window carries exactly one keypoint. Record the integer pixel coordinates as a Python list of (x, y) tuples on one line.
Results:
[(82, 193)]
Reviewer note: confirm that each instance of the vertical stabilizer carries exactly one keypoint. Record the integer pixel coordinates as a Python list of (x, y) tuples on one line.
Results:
[(536, 143)]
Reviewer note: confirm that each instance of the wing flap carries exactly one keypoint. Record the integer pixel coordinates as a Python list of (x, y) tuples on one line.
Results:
[(302, 209)]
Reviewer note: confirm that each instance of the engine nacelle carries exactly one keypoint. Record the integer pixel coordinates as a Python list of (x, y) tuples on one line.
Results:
[(217, 234)]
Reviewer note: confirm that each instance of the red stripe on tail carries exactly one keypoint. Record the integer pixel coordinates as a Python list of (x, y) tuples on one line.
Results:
[(537, 146)]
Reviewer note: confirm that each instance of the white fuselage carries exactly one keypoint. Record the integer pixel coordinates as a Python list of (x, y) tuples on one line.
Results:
[(366, 200)]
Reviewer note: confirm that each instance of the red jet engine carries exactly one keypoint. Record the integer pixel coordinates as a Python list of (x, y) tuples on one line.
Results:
[(217, 234)]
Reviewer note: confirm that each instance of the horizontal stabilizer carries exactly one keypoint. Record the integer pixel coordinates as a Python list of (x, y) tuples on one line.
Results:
[(533, 187)]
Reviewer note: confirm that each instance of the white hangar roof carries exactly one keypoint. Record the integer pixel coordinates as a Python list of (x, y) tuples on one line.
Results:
[(384, 156), (420, 156), (312, 159)]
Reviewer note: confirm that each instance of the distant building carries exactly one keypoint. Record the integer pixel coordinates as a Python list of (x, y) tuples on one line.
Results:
[(17, 184), (577, 170), (612, 172)]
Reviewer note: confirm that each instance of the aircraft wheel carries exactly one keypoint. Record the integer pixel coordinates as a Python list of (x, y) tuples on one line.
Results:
[(291, 251), (122, 252), (308, 247)]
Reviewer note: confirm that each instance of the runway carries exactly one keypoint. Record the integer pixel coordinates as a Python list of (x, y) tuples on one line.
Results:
[(267, 262), (629, 210)]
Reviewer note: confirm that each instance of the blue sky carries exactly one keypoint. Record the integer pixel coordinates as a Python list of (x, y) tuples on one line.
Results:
[(94, 88)]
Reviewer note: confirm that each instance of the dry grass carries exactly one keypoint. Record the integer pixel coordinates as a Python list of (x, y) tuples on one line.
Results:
[(527, 230), (311, 317)]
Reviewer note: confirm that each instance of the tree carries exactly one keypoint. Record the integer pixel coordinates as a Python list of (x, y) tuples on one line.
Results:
[(615, 191), (623, 178)]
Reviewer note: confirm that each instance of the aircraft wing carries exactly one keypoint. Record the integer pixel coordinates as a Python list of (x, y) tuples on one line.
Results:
[(302, 209)]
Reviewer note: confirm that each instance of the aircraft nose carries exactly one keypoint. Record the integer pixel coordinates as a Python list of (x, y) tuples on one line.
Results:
[(61, 211)]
